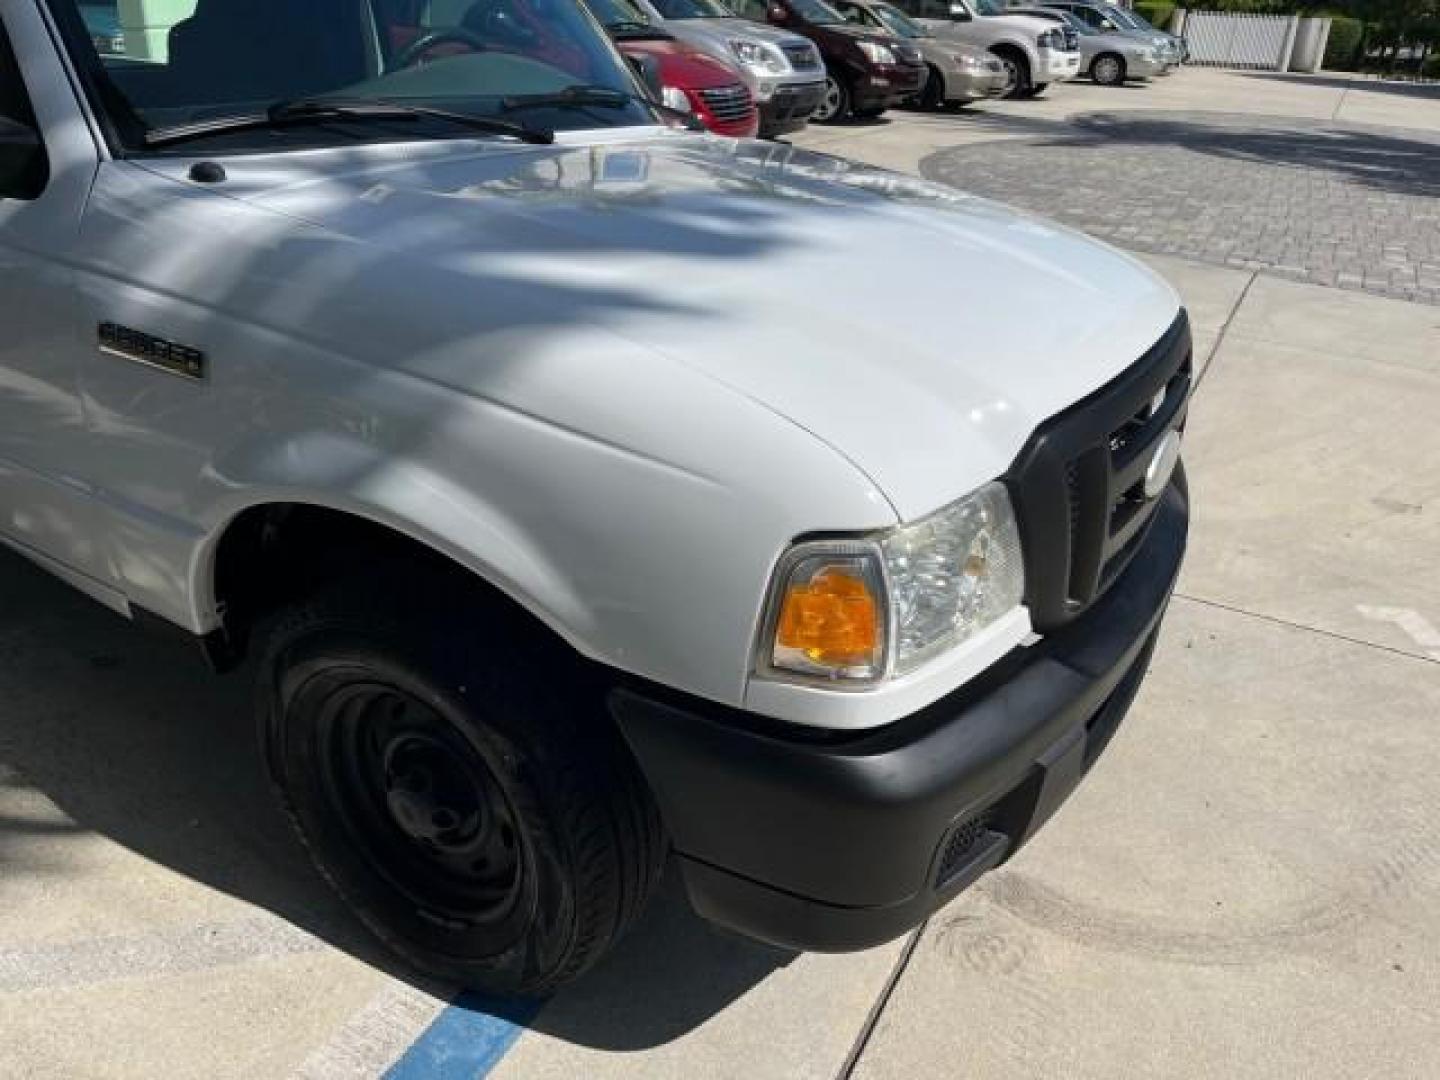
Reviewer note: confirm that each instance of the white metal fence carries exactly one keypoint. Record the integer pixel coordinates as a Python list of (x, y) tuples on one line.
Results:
[(1240, 40)]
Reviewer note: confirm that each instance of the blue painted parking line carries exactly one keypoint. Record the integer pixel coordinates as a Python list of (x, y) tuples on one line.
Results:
[(465, 1041)]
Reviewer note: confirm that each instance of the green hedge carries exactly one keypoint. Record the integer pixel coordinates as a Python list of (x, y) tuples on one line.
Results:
[(1342, 51), (1432, 67), (1156, 12)]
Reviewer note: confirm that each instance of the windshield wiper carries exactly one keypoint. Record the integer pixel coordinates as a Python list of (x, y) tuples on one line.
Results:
[(583, 96), (305, 111)]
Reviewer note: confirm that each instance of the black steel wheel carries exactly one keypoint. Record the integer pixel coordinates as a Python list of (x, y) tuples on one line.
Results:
[(469, 800), (416, 796)]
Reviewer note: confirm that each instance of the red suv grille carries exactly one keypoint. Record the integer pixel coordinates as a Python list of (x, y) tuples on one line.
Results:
[(728, 104)]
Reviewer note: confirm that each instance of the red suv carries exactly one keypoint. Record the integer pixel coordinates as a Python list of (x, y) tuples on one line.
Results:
[(691, 80), (865, 72)]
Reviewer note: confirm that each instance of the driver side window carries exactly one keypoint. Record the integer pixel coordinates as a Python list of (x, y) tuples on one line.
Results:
[(30, 180), (927, 9), (14, 100), (755, 10)]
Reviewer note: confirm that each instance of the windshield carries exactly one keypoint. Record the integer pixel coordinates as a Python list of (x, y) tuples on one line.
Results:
[(1127, 19), (211, 60), (1070, 19), (693, 9), (622, 16), (898, 23), (816, 12), (988, 7)]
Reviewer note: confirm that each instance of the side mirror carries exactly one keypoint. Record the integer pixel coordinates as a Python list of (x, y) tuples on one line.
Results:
[(648, 69), (777, 14), (1106, 24), (959, 13), (22, 160)]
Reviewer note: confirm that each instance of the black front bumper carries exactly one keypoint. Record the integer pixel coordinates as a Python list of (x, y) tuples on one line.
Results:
[(830, 843), (789, 108)]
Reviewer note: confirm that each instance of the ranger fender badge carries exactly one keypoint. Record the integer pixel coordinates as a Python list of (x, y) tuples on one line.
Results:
[(182, 360)]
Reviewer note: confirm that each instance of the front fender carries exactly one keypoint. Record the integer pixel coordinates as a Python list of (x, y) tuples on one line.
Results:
[(330, 471)]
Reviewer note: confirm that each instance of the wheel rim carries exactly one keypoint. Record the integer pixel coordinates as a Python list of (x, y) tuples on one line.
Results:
[(419, 803), (1012, 76), (1106, 69), (830, 103)]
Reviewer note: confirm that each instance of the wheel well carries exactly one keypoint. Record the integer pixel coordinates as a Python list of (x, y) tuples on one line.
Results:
[(1005, 48), (273, 556)]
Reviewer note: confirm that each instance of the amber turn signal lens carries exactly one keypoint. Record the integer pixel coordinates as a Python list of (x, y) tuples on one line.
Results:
[(833, 619)]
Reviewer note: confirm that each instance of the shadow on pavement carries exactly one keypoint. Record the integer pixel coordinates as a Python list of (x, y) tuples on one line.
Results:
[(1397, 161), (133, 739), (1368, 83), (1404, 164)]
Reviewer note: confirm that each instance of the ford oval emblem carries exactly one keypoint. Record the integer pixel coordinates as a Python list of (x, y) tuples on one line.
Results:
[(1162, 464)]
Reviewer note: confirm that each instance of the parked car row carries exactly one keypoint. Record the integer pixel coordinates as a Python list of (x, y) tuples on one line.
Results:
[(766, 68)]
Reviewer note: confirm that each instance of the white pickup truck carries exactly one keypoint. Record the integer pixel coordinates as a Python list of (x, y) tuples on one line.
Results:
[(581, 492), (1035, 52)]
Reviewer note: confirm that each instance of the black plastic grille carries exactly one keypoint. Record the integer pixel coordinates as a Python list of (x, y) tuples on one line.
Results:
[(1079, 485), (801, 57), (961, 844), (728, 103), (796, 102)]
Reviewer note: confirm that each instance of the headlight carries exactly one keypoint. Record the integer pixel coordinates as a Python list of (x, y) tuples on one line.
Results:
[(755, 55), (1052, 39), (876, 53), (674, 97), (969, 63), (860, 610)]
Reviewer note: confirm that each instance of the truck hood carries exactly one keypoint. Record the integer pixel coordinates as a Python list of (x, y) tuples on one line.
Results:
[(1027, 24), (725, 30), (921, 332)]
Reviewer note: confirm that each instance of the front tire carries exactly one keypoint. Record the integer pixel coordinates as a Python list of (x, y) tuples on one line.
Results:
[(1108, 69), (932, 97), (1017, 72), (482, 818), (834, 104)]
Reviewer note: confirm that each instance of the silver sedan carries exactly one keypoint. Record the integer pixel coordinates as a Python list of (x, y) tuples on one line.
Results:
[(1109, 57)]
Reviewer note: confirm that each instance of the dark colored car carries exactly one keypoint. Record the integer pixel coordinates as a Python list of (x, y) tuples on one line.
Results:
[(690, 80), (865, 72)]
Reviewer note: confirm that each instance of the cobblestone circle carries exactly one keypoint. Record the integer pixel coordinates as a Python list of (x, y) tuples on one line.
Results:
[(1334, 204)]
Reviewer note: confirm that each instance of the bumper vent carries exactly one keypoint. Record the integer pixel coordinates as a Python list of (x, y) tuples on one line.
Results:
[(1079, 485), (965, 841), (728, 104)]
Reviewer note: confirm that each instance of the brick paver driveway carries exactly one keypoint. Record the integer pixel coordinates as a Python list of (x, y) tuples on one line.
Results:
[(1332, 203)]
